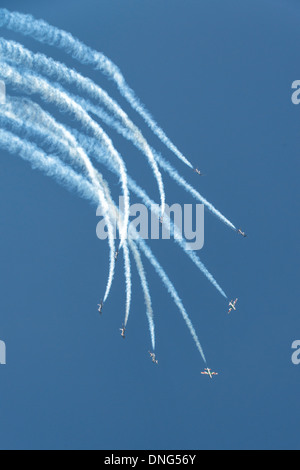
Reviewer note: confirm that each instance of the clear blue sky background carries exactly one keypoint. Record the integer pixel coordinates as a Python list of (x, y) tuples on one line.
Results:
[(217, 76)]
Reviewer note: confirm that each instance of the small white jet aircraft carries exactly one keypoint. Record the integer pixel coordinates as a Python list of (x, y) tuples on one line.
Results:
[(209, 372), (116, 255), (123, 329), (198, 172), (100, 307), (232, 305), (241, 233), (153, 357)]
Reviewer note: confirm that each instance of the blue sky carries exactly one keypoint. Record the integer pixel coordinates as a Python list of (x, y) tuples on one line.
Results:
[(217, 76)]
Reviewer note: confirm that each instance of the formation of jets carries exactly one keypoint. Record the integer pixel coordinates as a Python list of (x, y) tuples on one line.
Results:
[(153, 357), (209, 372), (232, 305)]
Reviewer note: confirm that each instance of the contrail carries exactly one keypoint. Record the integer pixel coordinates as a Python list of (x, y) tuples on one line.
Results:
[(65, 147), (182, 182), (39, 63), (115, 217), (30, 83), (162, 162), (48, 164), (27, 118), (143, 280), (34, 129), (128, 282), (147, 296), (97, 152), (6, 117), (53, 167), (172, 291), (33, 117), (65, 153), (47, 34)]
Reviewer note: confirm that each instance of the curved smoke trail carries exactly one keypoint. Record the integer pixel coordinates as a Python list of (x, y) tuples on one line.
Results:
[(34, 130), (8, 118), (147, 296), (47, 34), (39, 63), (65, 153), (172, 291), (91, 147), (63, 174), (162, 162), (31, 83), (95, 151)]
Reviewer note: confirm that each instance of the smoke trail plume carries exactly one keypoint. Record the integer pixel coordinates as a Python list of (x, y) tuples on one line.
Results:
[(47, 34), (96, 152), (30, 83), (53, 167), (144, 283), (162, 162), (39, 63)]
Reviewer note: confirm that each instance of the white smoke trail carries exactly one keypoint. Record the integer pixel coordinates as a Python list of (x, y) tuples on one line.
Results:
[(39, 63), (47, 66), (34, 129), (7, 117), (47, 34), (28, 119), (147, 296), (92, 148), (48, 164), (95, 151), (165, 165), (128, 282), (31, 83), (32, 118), (115, 217), (52, 166), (172, 291), (31, 126)]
